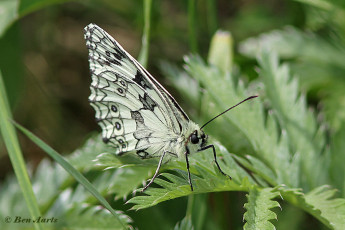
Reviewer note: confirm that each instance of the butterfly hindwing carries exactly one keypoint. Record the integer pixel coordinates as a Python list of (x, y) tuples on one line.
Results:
[(135, 112)]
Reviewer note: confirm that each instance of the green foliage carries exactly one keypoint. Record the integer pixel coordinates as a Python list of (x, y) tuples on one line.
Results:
[(321, 72), (319, 202), (279, 151), (185, 224), (305, 138), (258, 213), (205, 179), (337, 171), (71, 170), (57, 198), (300, 134), (84, 216), (270, 164), (331, 210)]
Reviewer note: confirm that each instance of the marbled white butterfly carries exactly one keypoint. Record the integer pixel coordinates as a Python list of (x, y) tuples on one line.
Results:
[(135, 112)]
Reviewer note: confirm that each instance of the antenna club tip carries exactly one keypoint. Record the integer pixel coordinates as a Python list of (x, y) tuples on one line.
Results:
[(249, 98)]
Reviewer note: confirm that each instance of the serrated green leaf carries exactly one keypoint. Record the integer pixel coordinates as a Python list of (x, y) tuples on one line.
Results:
[(260, 203), (276, 151), (72, 212), (332, 209), (245, 129), (318, 62), (294, 117), (319, 203), (126, 180), (205, 179)]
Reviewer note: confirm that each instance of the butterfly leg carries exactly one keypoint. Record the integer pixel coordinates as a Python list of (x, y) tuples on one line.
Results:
[(189, 177), (215, 158), (156, 173)]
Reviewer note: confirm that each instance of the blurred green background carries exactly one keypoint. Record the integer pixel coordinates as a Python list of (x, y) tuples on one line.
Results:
[(43, 60)]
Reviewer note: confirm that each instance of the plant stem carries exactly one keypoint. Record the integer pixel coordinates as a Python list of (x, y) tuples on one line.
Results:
[(192, 26), (212, 16), (190, 206), (144, 52)]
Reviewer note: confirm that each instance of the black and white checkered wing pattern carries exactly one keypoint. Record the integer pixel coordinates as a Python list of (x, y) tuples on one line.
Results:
[(134, 111)]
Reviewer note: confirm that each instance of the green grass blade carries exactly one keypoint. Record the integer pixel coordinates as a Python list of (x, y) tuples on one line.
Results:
[(144, 52), (71, 170), (15, 154)]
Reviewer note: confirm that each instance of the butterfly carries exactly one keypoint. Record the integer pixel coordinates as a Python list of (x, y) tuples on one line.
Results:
[(136, 113)]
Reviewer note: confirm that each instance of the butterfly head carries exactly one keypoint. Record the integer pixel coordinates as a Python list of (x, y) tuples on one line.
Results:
[(198, 138)]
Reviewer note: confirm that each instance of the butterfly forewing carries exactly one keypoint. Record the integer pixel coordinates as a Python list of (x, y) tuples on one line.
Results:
[(134, 111)]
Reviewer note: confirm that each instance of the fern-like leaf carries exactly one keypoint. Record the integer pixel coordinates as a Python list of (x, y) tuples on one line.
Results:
[(205, 179), (246, 129), (259, 207), (331, 209), (319, 66), (320, 203), (72, 212), (304, 136)]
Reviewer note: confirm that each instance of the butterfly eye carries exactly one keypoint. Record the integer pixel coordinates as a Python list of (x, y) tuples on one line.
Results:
[(194, 138)]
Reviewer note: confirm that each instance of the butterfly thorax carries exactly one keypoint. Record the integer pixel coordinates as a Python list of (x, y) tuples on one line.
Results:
[(191, 139)]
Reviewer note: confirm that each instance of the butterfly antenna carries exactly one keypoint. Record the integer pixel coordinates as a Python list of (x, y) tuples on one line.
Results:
[(251, 97)]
